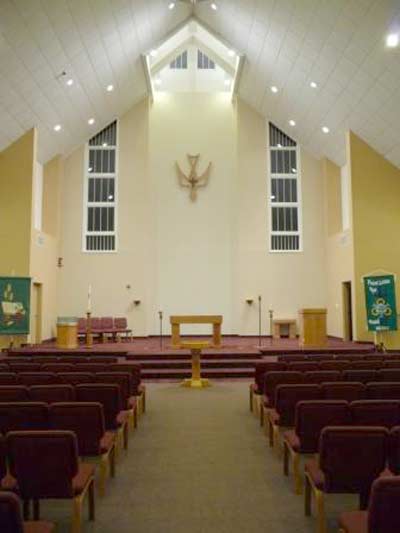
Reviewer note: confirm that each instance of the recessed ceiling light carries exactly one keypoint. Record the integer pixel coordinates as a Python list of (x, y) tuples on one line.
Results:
[(292, 122), (104, 145), (313, 85), (57, 127), (294, 170), (325, 129), (91, 121), (214, 6), (171, 5), (158, 81), (110, 197), (110, 88), (272, 197), (70, 82), (392, 40), (279, 145), (274, 89), (90, 169), (153, 53), (227, 82), (231, 53)]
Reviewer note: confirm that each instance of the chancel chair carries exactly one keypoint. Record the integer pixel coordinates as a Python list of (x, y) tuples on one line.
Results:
[(11, 520), (310, 419), (121, 326), (256, 388), (107, 327), (375, 413), (86, 420), (382, 515), (286, 399), (14, 393), (350, 459), (15, 416), (52, 393), (45, 465), (109, 395)]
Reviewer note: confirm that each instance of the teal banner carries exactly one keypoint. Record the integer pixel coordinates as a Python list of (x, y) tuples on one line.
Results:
[(15, 296), (380, 301)]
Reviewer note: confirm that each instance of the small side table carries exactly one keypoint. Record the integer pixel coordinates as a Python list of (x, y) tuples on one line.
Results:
[(196, 381)]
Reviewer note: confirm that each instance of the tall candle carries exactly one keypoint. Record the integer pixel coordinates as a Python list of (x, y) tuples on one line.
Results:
[(89, 302)]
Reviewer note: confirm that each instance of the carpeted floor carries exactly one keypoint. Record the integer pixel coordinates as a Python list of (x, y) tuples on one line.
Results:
[(199, 463)]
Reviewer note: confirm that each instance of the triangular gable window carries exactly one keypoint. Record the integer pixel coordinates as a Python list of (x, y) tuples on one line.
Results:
[(204, 62), (180, 62)]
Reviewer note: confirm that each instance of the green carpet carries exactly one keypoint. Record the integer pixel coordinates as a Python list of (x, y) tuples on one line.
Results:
[(199, 463)]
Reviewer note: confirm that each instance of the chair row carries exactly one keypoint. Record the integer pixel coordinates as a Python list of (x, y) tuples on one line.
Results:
[(45, 465), (68, 367), (11, 518), (338, 357), (105, 326)]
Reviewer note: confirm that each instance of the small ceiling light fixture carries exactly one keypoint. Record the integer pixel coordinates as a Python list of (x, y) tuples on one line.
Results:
[(57, 127), (227, 83), (294, 170), (90, 169), (214, 6), (313, 85), (292, 122), (325, 129), (110, 88), (171, 5), (91, 121), (70, 82), (231, 53), (279, 145), (153, 53), (274, 89), (104, 145), (392, 40), (158, 81)]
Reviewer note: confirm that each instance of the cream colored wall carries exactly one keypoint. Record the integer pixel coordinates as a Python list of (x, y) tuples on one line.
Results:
[(16, 181), (286, 281), (133, 264), (375, 187), (339, 249)]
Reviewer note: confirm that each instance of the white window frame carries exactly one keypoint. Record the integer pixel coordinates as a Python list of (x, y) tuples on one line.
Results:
[(86, 204), (298, 204)]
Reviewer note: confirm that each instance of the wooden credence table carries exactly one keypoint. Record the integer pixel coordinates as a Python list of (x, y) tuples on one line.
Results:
[(196, 381), (177, 320)]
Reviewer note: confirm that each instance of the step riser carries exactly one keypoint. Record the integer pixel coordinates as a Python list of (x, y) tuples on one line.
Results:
[(184, 375), (176, 365)]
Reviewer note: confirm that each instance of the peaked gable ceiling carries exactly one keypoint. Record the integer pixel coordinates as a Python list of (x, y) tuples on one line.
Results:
[(338, 44)]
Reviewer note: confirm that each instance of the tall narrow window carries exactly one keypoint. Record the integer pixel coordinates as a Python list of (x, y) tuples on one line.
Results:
[(101, 191), (285, 193)]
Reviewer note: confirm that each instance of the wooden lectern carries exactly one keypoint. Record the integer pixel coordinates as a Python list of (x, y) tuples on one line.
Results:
[(312, 325)]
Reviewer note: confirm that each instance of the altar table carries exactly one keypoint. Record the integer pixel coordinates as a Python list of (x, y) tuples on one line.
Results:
[(177, 320)]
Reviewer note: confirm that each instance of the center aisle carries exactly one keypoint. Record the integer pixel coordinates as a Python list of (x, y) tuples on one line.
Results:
[(197, 463)]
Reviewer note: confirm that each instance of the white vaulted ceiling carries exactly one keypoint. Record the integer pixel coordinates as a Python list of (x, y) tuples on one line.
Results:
[(339, 44)]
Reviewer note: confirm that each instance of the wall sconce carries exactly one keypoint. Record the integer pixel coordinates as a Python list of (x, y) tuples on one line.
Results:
[(137, 302), (249, 301), (60, 262)]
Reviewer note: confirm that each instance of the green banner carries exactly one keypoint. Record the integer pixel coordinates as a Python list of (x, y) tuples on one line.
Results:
[(15, 295), (380, 301)]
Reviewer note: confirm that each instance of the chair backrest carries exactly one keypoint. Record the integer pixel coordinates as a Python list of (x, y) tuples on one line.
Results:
[(82, 325), (303, 366), (103, 359), (8, 378), (289, 358), (106, 322), (4, 367), (348, 357), (133, 368), (109, 395), (394, 450), (25, 367), (320, 376), (335, 365), (387, 390), (23, 416), (58, 367), (120, 323), (72, 359), (273, 379), (3, 458), (43, 462), (122, 379), (52, 393), (352, 457), (287, 397), (383, 513), (85, 419), (320, 357), (38, 378), (75, 378), (374, 357), (262, 367), (341, 390), (14, 393), (389, 374), (44, 360), (363, 376), (91, 367), (366, 365), (375, 413), (10, 513), (392, 363), (312, 416), (95, 323)]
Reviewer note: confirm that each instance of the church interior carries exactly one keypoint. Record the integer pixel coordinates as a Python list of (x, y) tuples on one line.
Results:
[(200, 209)]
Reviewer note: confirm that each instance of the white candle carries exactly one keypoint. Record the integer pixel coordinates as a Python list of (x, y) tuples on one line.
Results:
[(89, 301)]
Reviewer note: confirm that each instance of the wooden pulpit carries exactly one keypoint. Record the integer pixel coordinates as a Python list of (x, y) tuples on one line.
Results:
[(312, 325)]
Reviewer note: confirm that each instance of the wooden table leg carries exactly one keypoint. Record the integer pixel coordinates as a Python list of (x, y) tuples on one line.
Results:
[(217, 335), (176, 338)]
